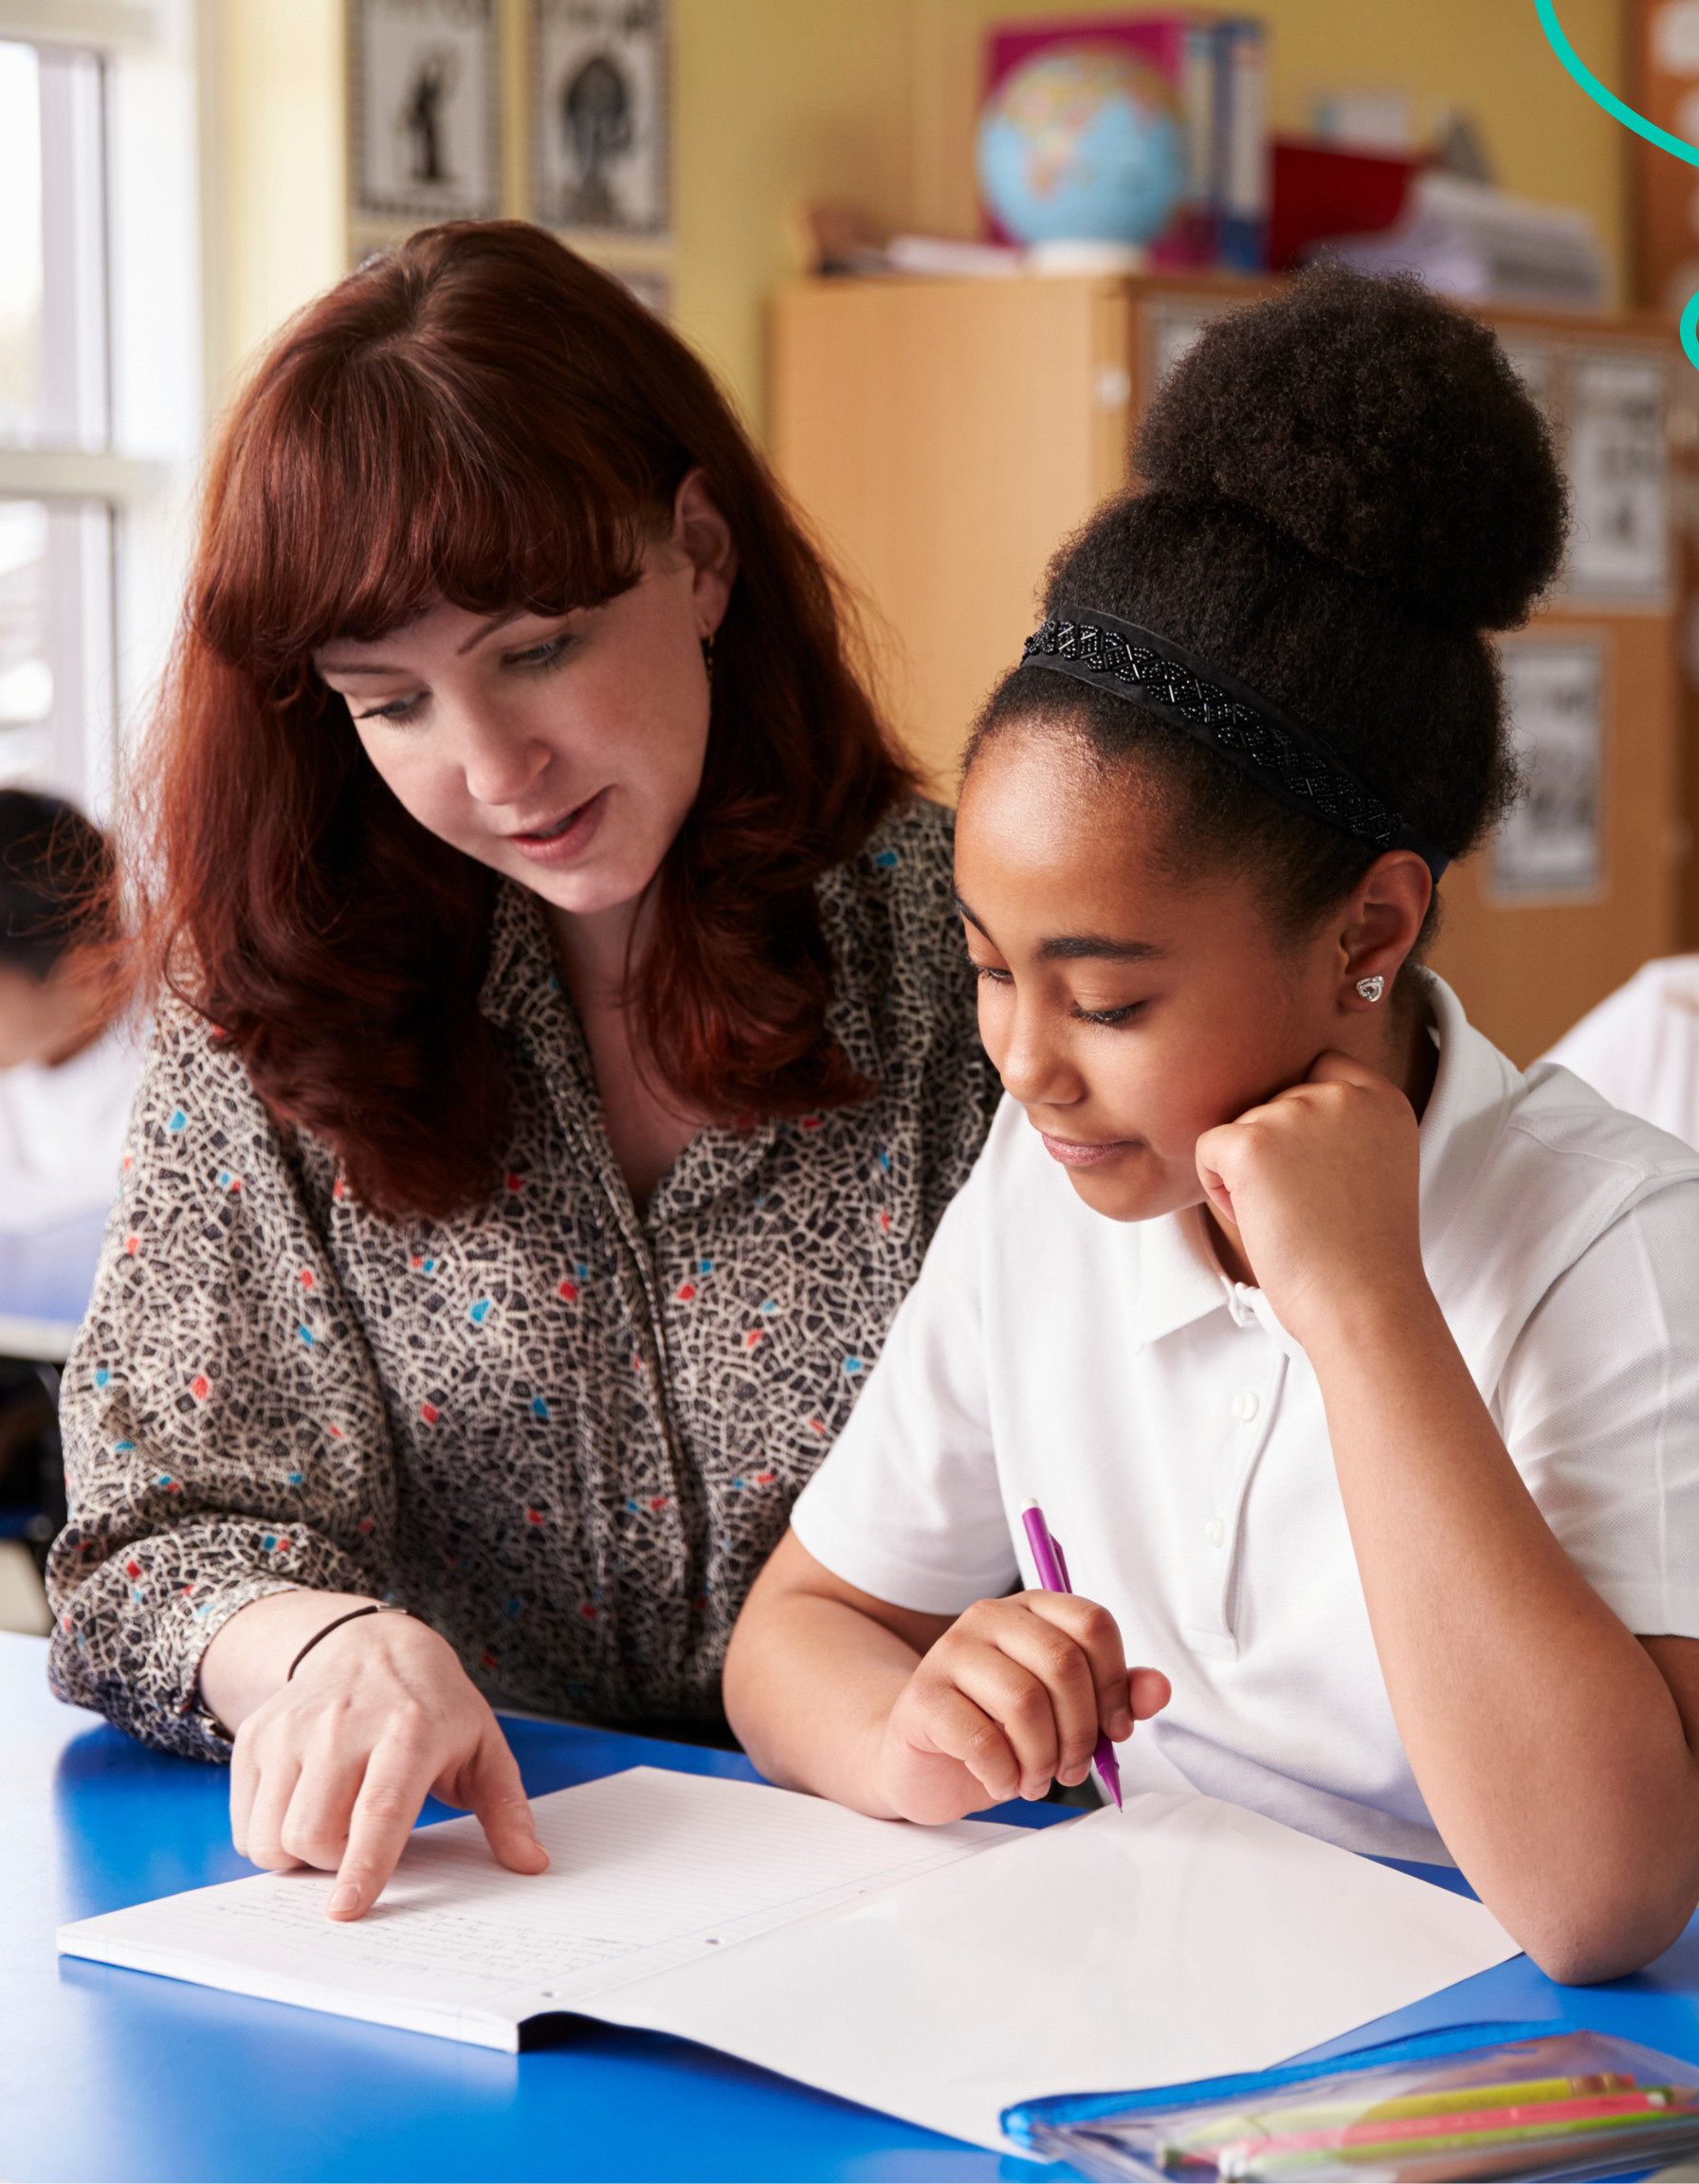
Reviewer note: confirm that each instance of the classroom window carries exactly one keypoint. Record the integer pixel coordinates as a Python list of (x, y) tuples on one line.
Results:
[(57, 539)]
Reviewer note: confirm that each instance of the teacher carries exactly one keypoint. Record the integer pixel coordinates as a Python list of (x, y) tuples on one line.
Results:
[(564, 1051)]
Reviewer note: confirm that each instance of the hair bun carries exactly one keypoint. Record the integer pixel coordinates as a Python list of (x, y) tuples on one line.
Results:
[(1382, 429)]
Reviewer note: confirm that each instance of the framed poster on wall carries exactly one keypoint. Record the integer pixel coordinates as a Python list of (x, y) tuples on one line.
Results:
[(423, 91), (1551, 846), (1619, 543), (600, 125)]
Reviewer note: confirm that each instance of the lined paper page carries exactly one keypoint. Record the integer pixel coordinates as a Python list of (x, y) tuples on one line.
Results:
[(1181, 1938), (649, 1870)]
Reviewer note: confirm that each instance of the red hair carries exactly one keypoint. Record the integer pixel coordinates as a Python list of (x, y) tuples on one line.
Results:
[(480, 417)]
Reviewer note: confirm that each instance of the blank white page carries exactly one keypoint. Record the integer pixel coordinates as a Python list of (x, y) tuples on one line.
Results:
[(649, 1870), (1181, 1939)]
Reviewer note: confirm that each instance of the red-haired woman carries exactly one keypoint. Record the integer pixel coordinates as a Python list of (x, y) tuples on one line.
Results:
[(564, 1055)]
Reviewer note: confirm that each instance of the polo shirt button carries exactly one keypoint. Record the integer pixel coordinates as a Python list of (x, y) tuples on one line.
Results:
[(1246, 1404), (1216, 1532)]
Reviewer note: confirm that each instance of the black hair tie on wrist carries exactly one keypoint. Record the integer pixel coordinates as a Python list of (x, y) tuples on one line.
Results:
[(353, 1614), (1202, 701)]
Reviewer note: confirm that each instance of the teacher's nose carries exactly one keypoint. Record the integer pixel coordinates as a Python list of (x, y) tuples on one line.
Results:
[(500, 765)]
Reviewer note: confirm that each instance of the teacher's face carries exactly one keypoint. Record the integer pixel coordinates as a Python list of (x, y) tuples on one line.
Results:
[(563, 750)]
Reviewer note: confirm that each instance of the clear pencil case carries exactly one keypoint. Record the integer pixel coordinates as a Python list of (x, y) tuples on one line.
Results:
[(1469, 2101)]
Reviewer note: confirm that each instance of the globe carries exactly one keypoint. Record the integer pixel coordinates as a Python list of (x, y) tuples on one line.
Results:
[(1081, 143)]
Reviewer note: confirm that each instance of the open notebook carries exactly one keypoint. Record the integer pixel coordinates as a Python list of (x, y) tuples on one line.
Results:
[(940, 1973)]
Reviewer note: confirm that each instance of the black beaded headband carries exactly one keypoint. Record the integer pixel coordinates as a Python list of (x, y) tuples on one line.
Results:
[(1205, 703)]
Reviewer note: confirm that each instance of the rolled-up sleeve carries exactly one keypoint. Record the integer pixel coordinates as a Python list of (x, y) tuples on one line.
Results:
[(225, 1432)]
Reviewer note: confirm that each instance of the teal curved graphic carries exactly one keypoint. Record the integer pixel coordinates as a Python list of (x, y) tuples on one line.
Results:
[(1630, 119)]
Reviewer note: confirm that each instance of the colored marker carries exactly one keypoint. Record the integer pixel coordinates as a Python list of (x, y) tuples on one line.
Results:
[(1474, 2130), (1449, 2100), (1053, 1575)]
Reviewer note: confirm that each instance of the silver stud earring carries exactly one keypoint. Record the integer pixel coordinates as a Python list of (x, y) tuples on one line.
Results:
[(1371, 989)]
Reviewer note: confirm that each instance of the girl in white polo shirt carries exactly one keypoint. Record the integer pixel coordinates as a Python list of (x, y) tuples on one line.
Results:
[(1356, 1372)]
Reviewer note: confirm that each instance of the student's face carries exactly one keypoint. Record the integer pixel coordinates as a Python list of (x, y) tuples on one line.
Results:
[(563, 750), (40, 1017), (1126, 1012)]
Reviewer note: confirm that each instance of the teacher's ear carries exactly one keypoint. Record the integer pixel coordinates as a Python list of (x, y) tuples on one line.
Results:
[(702, 533)]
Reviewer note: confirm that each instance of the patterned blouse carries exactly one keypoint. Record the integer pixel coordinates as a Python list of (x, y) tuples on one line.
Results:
[(566, 1433)]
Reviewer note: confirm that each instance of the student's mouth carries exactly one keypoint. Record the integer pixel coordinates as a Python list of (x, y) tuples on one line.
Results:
[(562, 838), (1078, 1153)]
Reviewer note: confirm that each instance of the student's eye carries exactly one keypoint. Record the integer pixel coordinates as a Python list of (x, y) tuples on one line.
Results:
[(397, 709), (1109, 1017), (992, 972)]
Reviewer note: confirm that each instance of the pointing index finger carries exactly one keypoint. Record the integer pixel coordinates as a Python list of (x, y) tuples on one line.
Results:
[(383, 1817)]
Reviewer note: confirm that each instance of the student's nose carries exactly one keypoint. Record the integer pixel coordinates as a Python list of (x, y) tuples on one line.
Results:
[(1033, 1062), (501, 763)]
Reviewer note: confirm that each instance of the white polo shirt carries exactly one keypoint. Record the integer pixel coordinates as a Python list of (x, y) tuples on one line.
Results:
[(1174, 1433), (1640, 1047)]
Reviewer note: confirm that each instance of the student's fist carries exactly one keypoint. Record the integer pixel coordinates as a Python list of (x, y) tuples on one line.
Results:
[(1012, 1697), (1322, 1184)]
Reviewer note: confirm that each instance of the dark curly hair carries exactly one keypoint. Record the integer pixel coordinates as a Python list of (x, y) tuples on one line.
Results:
[(1345, 487)]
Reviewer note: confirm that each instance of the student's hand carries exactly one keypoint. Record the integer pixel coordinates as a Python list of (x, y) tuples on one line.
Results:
[(1012, 1696), (1321, 1184), (332, 1769)]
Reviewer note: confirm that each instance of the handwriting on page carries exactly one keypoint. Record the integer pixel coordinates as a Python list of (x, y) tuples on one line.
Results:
[(649, 1870)]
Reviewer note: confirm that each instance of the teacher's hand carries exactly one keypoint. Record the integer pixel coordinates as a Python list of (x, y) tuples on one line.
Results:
[(332, 1768)]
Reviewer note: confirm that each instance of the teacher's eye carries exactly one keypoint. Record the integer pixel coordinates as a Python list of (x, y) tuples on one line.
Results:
[(548, 654), (397, 709), (1110, 1016)]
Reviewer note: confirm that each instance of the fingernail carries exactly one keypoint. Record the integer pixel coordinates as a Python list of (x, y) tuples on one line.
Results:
[(1121, 1725), (345, 1899)]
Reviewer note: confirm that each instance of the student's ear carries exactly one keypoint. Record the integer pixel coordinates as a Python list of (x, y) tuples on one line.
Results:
[(702, 533), (1380, 929)]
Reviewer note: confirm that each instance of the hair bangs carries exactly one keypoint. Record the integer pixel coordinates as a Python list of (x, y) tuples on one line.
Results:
[(364, 490)]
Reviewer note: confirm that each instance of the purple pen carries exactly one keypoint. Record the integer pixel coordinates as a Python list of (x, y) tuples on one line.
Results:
[(1053, 1575)]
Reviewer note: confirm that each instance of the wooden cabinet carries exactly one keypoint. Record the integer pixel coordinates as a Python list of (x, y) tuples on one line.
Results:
[(944, 437)]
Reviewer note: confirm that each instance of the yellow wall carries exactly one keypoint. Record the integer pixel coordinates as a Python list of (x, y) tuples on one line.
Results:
[(776, 101), (274, 191)]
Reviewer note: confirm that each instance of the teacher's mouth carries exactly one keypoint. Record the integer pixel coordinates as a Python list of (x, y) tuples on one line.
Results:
[(1081, 1153), (564, 838)]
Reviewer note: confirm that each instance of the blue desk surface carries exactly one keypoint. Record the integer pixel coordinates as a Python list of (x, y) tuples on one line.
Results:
[(111, 2074)]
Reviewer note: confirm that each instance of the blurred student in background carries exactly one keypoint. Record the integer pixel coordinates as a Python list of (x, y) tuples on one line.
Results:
[(1640, 1047), (68, 1066)]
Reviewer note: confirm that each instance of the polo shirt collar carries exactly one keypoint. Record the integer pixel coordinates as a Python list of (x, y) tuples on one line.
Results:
[(1475, 1091), (1180, 1277), (1180, 1280)]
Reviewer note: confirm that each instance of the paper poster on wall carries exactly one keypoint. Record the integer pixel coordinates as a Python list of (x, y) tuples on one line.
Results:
[(1532, 364), (423, 107), (600, 125), (650, 286), (1620, 545), (1551, 846), (1174, 329)]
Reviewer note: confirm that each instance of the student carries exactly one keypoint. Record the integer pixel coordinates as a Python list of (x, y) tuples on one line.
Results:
[(69, 1063), (1357, 1372), (565, 1054)]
